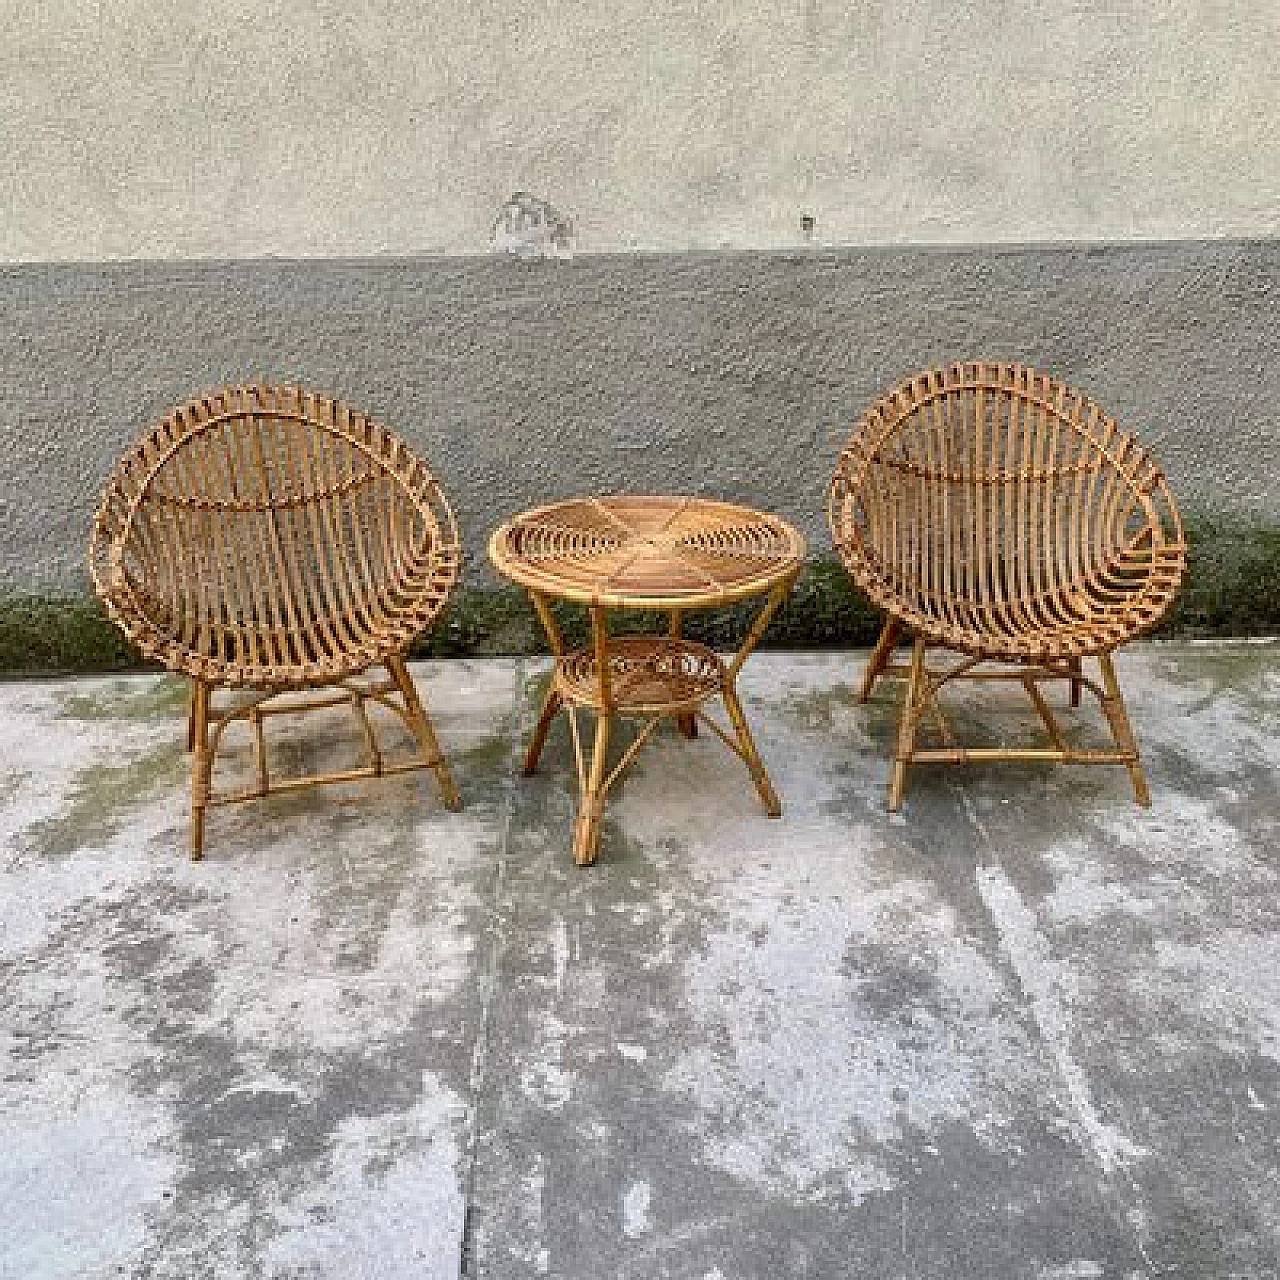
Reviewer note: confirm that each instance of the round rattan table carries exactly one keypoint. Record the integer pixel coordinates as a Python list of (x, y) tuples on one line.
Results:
[(672, 554)]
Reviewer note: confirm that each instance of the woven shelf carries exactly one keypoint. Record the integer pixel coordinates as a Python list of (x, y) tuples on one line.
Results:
[(648, 675)]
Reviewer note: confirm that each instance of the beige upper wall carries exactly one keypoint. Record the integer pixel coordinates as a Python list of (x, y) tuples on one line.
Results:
[(232, 128)]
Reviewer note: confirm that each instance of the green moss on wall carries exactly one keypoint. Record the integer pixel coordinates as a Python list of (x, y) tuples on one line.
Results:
[(1232, 589), (38, 634)]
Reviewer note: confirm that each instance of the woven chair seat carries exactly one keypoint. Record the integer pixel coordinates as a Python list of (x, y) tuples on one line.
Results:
[(1067, 623), (998, 512), (305, 658), (270, 538), (244, 652)]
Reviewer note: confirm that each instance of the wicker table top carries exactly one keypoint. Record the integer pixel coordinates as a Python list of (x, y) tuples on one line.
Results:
[(647, 552)]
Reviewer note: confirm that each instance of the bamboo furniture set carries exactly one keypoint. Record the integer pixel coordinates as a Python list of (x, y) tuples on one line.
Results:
[(266, 542)]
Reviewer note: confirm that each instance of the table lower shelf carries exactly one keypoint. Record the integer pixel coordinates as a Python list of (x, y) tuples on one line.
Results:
[(648, 675)]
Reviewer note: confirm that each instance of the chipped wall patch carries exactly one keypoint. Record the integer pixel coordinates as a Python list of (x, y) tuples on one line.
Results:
[(528, 227)]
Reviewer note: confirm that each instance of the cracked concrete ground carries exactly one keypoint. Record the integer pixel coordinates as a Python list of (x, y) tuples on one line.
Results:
[(1023, 1029)]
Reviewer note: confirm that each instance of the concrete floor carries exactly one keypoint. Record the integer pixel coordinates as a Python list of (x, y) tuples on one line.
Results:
[(1023, 1029)]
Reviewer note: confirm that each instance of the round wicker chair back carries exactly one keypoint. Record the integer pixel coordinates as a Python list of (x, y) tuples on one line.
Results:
[(998, 512), (264, 536)]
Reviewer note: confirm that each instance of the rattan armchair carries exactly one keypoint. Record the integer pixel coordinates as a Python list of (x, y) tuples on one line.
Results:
[(267, 541), (992, 511)]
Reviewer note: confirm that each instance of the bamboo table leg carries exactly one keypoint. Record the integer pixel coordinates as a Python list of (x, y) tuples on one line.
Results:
[(750, 753), (745, 742), (586, 828), (688, 722), (552, 705), (586, 831), (591, 777)]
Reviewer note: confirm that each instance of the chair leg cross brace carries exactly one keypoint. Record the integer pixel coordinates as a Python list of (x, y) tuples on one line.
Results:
[(921, 698), (398, 694)]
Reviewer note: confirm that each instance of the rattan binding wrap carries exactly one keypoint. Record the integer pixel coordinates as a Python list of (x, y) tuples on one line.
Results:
[(992, 510), (263, 536), (270, 540)]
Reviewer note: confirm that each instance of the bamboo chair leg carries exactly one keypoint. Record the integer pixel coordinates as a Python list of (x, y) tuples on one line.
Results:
[(759, 775), (425, 733), (586, 830), (911, 705), (1075, 683), (201, 764), (880, 656), (1117, 717), (551, 707)]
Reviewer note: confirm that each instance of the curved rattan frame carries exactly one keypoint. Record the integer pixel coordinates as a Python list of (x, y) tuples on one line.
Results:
[(272, 540), (992, 510)]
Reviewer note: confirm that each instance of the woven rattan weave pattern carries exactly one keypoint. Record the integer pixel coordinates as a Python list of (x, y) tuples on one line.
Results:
[(994, 511), (647, 675), (269, 539), (654, 552), (672, 554)]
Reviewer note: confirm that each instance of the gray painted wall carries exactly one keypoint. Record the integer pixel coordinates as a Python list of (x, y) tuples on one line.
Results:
[(240, 128), (732, 374)]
